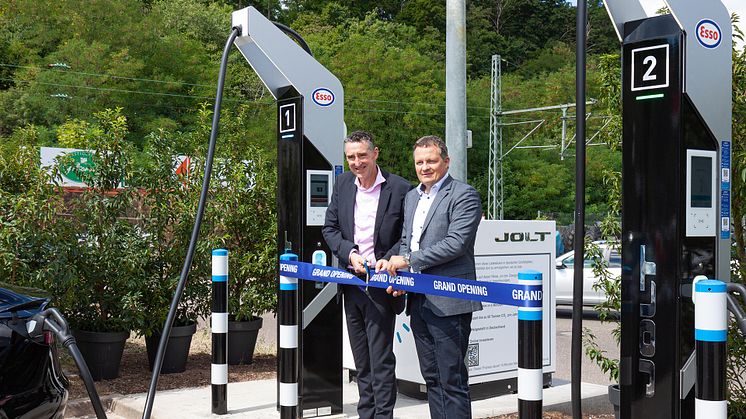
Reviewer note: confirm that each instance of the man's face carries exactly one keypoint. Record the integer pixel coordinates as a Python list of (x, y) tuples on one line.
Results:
[(430, 166), (361, 159)]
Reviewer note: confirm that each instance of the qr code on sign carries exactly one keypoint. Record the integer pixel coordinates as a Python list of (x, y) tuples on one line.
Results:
[(472, 355)]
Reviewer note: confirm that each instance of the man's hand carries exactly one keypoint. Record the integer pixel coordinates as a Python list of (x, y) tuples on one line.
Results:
[(382, 265), (396, 263), (357, 262), (371, 261), (395, 293)]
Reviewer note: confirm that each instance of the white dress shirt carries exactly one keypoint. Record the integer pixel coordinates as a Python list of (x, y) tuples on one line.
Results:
[(420, 213)]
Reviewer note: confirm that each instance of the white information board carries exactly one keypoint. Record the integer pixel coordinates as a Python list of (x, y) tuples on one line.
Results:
[(502, 249)]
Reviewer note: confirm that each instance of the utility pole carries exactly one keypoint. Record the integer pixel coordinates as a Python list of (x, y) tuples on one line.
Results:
[(496, 183), (495, 170), (456, 87), (576, 349)]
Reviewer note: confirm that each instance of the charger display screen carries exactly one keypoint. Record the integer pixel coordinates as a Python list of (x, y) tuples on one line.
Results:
[(319, 190), (701, 182)]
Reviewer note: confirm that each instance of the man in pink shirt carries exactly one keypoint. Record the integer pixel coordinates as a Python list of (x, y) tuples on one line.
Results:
[(363, 224)]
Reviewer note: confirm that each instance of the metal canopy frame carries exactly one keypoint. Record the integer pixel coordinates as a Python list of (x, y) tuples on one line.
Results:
[(279, 62)]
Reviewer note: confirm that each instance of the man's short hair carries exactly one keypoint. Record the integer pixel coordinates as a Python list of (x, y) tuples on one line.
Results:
[(359, 137), (432, 140)]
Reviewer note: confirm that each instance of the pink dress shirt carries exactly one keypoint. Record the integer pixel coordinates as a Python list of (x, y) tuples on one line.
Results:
[(366, 208)]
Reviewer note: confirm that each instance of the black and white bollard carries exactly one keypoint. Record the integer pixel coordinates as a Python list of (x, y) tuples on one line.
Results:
[(711, 336), (219, 322), (530, 369), (287, 352)]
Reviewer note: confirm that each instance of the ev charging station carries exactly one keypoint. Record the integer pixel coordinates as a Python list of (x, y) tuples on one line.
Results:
[(676, 92), (310, 130)]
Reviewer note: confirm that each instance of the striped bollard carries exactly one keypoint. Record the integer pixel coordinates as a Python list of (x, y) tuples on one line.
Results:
[(530, 370), (287, 353), (219, 321), (711, 335)]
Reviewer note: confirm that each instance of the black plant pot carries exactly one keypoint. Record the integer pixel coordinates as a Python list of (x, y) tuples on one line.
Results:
[(242, 340), (102, 352), (615, 396), (177, 349)]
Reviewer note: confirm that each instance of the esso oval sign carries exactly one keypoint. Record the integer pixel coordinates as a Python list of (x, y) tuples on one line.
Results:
[(323, 96), (708, 33)]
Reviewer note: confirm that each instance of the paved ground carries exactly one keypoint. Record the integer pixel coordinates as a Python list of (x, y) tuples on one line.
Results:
[(591, 373), (257, 399)]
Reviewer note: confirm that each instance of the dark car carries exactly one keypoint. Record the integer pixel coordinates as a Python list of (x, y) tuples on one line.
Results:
[(32, 384)]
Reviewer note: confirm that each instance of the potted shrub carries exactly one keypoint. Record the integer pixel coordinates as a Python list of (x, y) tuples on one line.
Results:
[(169, 204), (100, 297), (109, 256), (243, 207)]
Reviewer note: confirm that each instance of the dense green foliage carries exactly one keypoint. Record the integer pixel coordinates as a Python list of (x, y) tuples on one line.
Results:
[(158, 61), (134, 80), (84, 251)]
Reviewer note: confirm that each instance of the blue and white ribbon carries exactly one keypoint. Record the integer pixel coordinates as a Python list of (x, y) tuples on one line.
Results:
[(520, 295)]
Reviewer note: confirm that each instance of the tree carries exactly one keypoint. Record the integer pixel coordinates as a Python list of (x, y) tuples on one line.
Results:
[(394, 87), (117, 54)]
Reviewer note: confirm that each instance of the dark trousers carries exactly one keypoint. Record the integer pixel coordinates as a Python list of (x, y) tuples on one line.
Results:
[(441, 344), (370, 324)]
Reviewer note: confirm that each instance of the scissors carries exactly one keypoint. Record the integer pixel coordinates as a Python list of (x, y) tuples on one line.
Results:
[(367, 274)]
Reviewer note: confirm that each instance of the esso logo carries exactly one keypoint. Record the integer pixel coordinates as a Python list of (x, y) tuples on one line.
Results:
[(708, 33), (323, 97)]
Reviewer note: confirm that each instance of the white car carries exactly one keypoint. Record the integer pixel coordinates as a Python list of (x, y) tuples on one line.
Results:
[(565, 275)]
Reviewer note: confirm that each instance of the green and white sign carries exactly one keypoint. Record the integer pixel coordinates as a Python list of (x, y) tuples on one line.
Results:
[(79, 162), (75, 163)]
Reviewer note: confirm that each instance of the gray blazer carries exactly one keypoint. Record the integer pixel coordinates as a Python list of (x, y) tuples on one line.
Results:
[(447, 241)]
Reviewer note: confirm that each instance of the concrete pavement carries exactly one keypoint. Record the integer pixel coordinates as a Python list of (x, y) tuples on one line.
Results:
[(256, 399), (590, 372)]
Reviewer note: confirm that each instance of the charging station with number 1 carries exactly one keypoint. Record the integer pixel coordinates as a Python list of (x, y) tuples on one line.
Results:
[(310, 134)]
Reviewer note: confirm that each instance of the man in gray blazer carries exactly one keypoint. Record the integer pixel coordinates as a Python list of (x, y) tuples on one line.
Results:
[(441, 217)]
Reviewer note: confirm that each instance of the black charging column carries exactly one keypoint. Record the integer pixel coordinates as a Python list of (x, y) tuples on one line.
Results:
[(299, 166), (668, 169)]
